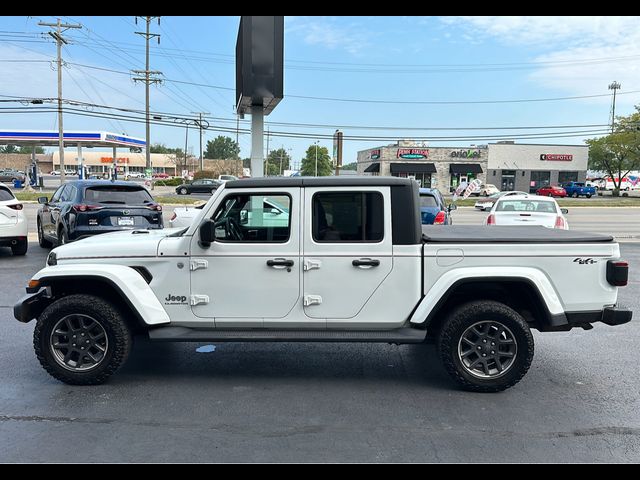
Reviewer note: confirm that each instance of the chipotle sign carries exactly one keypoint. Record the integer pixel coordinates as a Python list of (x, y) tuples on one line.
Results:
[(555, 157)]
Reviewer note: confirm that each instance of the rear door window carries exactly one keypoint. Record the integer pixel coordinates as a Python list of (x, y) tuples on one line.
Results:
[(5, 194), (117, 195), (348, 217), (428, 201)]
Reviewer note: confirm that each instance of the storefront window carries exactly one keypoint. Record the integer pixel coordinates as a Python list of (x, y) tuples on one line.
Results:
[(564, 177), (458, 178), (423, 179), (538, 180)]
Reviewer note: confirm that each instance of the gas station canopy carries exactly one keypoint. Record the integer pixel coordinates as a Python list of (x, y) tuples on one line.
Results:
[(74, 138)]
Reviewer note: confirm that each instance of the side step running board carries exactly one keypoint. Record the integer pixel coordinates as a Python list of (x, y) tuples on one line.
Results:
[(184, 334)]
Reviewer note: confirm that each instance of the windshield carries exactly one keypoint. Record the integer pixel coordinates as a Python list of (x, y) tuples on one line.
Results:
[(539, 206), (118, 195)]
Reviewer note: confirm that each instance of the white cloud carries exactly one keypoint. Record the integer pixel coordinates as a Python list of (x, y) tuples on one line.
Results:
[(583, 54), (551, 29), (324, 32)]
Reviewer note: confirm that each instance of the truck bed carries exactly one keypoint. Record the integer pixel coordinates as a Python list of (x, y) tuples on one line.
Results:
[(506, 234)]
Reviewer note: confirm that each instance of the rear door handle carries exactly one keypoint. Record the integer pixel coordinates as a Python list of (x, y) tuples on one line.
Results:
[(365, 262), (280, 262)]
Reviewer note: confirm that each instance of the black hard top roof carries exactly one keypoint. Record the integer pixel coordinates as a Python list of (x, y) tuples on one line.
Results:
[(346, 181)]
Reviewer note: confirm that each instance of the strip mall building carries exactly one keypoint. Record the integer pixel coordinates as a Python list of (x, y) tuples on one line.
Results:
[(507, 165)]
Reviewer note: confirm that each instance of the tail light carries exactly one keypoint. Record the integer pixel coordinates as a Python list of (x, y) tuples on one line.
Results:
[(617, 272), (173, 217), (439, 220), (491, 219), (559, 222), (17, 206), (155, 206), (87, 208)]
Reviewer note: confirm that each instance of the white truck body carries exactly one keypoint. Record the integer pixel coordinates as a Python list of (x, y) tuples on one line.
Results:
[(396, 288)]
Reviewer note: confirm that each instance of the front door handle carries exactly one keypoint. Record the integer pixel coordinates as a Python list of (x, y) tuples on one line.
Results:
[(365, 262), (280, 262)]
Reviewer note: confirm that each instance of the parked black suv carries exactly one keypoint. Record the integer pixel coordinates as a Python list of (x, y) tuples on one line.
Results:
[(82, 208)]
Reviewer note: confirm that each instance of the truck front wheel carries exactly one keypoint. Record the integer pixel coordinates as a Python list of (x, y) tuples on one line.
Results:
[(485, 346), (81, 339)]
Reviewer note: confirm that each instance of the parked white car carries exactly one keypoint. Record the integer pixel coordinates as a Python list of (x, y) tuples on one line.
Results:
[(487, 189), (226, 178), (13, 223), (487, 203), (524, 210)]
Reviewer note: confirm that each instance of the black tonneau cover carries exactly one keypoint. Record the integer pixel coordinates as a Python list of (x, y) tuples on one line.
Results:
[(506, 234)]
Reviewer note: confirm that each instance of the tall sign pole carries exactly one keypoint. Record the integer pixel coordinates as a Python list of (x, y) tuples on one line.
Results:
[(259, 77), (57, 36)]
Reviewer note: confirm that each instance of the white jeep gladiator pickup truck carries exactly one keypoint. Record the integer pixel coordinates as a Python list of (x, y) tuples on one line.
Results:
[(343, 260)]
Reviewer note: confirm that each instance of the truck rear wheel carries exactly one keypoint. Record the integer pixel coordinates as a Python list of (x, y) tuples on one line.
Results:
[(81, 339), (485, 346)]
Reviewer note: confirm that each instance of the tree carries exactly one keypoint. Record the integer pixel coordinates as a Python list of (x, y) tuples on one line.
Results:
[(9, 149), (277, 162), (162, 148), (308, 164), (350, 166), (619, 152), (222, 148), (27, 150)]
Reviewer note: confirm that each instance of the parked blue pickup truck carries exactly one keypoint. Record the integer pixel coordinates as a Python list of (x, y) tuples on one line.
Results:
[(576, 189)]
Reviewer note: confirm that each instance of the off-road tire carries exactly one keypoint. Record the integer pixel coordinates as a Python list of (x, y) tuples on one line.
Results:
[(110, 319), (465, 316)]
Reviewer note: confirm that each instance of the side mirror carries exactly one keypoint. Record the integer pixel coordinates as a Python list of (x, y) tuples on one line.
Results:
[(43, 200), (207, 233), (564, 211), (452, 206)]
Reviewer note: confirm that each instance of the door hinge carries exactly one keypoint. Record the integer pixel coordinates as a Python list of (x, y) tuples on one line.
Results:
[(198, 263), (312, 300), (311, 264), (198, 299)]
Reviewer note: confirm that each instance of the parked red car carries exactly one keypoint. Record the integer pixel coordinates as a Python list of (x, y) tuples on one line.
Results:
[(552, 191)]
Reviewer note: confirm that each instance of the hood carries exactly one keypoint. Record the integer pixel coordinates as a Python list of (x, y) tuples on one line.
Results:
[(128, 243)]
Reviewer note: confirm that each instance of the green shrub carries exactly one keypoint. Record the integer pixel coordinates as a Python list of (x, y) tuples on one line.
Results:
[(170, 182)]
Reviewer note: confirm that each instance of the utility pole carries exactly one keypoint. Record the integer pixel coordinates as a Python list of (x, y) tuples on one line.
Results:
[(200, 114), (148, 79), (57, 36), (186, 139), (316, 144), (266, 157), (281, 154), (614, 86)]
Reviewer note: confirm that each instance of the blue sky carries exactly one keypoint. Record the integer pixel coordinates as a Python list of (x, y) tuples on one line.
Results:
[(392, 66)]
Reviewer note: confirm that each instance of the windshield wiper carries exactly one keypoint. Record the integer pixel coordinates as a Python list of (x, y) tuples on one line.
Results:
[(114, 201)]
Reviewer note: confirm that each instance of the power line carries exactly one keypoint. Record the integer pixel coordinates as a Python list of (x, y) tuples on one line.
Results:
[(399, 102)]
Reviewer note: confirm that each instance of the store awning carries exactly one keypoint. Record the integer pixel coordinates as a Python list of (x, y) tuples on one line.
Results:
[(373, 168), (464, 168), (413, 168)]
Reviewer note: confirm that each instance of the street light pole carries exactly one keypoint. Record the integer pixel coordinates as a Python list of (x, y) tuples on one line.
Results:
[(316, 144)]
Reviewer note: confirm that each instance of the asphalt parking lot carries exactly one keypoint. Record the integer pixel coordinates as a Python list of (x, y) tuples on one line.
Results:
[(323, 402)]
